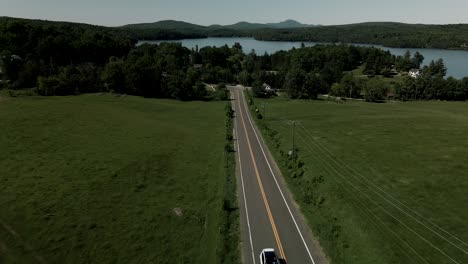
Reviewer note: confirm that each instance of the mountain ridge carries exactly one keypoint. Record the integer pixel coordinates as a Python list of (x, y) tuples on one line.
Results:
[(242, 25)]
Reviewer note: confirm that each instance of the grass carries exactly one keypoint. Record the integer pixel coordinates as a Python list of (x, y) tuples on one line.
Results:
[(359, 73), (360, 158), (98, 178)]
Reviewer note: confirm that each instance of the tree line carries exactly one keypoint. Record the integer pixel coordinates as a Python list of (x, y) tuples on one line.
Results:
[(397, 35), (29, 49), (389, 34), (67, 59)]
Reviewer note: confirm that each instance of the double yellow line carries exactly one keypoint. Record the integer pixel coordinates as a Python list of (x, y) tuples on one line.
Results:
[(265, 201)]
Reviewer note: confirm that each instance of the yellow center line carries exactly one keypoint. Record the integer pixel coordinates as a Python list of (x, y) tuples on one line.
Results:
[(265, 200)]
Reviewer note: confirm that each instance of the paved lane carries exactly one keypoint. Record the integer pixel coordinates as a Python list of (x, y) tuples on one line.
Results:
[(269, 217)]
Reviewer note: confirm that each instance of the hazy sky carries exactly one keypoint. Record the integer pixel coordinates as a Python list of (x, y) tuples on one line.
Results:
[(207, 12)]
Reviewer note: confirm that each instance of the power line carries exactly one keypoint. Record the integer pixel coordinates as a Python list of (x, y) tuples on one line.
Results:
[(368, 182), (390, 214), (361, 203), (321, 148)]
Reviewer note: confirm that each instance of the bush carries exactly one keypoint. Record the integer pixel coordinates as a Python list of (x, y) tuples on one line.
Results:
[(22, 92), (229, 111), (375, 90), (50, 86)]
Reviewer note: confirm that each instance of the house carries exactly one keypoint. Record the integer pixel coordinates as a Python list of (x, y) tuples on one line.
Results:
[(414, 73), (268, 88)]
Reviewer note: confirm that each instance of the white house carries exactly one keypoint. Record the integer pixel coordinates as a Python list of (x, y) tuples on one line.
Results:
[(414, 73), (268, 88)]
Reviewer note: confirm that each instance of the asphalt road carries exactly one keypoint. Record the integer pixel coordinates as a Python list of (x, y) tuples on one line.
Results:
[(269, 216)]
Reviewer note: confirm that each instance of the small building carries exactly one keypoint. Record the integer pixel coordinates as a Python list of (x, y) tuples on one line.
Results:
[(414, 73), (268, 88)]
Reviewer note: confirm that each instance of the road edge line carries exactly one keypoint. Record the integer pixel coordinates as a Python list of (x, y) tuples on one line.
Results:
[(277, 185), (260, 184), (243, 189)]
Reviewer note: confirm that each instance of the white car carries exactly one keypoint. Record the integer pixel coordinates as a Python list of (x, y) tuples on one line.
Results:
[(268, 256)]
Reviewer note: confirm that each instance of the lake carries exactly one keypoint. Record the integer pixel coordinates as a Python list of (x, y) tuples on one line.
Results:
[(456, 61)]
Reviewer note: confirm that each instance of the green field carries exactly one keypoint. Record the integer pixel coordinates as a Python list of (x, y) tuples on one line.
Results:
[(97, 179), (383, 183)]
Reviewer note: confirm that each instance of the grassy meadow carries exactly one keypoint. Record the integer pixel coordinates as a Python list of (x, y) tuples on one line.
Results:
[(382, 183), (102, 178)]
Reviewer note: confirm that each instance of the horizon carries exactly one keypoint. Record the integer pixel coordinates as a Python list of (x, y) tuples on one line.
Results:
[(218, 24), (211, 12)]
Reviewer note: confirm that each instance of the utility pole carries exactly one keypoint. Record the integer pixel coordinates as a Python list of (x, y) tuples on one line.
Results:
[(264, 111)]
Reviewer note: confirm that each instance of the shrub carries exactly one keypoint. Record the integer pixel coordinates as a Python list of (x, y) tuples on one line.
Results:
[(375, 90), (50, 86)]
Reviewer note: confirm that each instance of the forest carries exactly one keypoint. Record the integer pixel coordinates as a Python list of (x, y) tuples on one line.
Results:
[(68, 59), (389, 34), (397, 35)]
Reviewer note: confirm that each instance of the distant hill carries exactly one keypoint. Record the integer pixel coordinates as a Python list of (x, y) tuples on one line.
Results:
[(285, 24), (289, 24), (245, 26), (389, 34), (164, 24), (174, 24)]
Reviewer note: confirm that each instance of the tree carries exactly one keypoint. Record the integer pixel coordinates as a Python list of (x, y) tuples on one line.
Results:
[(417, 60), (377, 60), (177, 86), (194, 89), (404, 63), (294, 83), (464, 88), (257, 88), (337, 89), (313, 85), (375, 90), (244, 78), (27, 74), (435, 68), (114, 76), (352, 86), (407, 90), (11, 65), (349, 86), (48, 86), (331, 74), (249, 62), (90, 78), (199, 90)]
